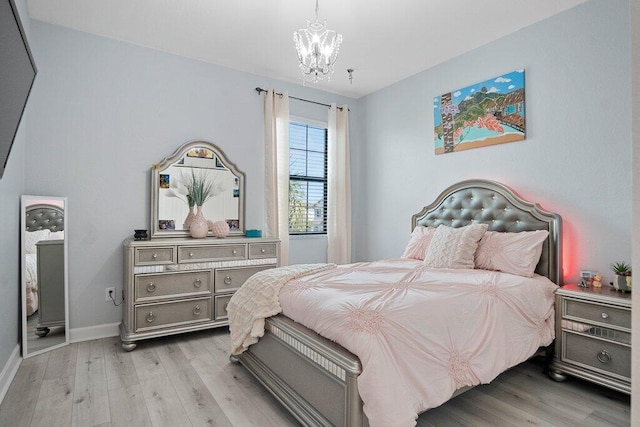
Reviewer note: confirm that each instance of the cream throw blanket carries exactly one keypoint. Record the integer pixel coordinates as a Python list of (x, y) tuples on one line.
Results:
[(258, 299)]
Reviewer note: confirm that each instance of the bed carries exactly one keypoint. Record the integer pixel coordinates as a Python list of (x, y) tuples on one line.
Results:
[(318, 380), (44, 250)]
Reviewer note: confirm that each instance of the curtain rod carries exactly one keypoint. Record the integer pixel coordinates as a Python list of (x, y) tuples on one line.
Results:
[(260, 90)]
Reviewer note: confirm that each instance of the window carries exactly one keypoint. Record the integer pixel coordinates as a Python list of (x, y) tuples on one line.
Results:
[(307, 179)]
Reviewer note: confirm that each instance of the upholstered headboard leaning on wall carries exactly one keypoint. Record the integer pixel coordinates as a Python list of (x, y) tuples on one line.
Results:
[(488, 202)]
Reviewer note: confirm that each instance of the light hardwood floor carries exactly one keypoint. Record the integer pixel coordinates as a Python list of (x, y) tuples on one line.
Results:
[(187, 380)]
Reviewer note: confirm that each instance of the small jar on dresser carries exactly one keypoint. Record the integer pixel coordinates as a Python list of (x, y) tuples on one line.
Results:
[(175, 285), (593, 336)]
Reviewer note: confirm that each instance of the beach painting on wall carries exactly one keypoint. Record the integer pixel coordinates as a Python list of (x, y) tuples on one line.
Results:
[(486, 113)]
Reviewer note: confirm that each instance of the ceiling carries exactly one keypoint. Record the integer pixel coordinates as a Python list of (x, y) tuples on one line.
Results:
[(384, 41)]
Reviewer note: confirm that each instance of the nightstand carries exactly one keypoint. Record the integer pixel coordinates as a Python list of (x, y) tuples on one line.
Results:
[(593, 336)]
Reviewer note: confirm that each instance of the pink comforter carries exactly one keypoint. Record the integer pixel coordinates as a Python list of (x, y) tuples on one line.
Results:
[(423, 333)]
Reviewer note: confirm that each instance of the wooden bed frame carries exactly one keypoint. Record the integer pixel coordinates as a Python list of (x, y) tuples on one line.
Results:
[(316, 379)]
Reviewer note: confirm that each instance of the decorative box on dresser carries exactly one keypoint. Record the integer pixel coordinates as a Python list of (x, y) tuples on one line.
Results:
[(175, 285), (593, 336)]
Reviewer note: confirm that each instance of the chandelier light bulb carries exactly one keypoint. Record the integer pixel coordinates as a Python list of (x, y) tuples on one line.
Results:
[(317, 49)]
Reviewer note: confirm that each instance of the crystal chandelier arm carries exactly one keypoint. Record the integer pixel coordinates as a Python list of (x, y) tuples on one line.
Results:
[(317, 49)]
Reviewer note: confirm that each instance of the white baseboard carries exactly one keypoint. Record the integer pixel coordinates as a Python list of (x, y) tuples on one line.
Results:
[(9, 371), (94, 332)]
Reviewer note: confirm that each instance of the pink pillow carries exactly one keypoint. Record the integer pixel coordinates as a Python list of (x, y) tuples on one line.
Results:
[(515, 253), (454, 247), (419, 242)]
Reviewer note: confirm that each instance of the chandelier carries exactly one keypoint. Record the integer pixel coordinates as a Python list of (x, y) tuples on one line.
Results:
[(317, 50)]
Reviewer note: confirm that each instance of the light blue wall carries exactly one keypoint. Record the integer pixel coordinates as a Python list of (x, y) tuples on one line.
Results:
[(11, 186), (576, 159), (104, 111)]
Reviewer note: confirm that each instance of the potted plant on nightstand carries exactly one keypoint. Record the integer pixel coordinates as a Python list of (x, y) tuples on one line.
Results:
[(622, 280)]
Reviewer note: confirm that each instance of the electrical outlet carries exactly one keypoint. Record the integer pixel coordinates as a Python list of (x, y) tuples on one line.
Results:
[(110, 294)]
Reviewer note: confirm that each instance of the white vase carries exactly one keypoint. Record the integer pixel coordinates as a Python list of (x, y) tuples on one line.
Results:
[(188, 219), (199, 227), (622, 283)]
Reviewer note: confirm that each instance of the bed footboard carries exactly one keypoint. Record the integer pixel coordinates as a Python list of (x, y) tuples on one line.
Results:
[(315, 379)]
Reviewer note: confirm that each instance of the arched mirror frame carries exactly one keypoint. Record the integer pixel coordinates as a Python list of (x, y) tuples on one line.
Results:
[(182, 151), (30, 202)]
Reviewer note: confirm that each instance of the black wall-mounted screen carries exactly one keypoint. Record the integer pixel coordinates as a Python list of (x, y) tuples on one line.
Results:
[(17, 72)]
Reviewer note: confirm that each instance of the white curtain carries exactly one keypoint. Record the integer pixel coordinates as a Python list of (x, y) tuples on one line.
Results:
[(276, 136), (339, 187)]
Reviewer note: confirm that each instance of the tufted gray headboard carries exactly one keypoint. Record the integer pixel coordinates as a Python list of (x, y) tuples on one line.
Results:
[(42, 216), (492, 203)]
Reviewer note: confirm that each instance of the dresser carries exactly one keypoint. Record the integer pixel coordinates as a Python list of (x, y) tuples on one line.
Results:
[(51, 307), (593, 336), (176, 285)]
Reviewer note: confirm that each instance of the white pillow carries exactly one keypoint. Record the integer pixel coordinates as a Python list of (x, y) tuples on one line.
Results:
[(56, 235), (515, 253), (32, 237), (454, 247), (419, 242)]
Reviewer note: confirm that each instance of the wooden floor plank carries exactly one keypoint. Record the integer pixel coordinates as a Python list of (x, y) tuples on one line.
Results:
[(62, 362), (200, 406), (146, 361), (90, 396), (19, 403), (128, 407), (237, 402), (119, 366), (163, 403), (55, 402)]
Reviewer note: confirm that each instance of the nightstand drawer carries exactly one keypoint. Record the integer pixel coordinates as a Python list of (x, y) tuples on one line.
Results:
[(230, 279), (171, 314), (596, 313), (150, 287), (597, 354), (220, 310), (211, 253), (262, 250), (154, 256)]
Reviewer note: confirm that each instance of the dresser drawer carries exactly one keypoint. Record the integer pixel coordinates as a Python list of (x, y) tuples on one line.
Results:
[(220, 304), (597, 354), (230, 279), (211, 253), (172, 314), (155, 256), (263, 250), (597, 313), (150, 287)]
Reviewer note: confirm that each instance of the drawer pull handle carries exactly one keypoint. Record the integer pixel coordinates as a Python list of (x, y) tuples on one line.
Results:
[(196, 310), (225, 307), (155, 256), (605, 315), (604, 357), (263, 250), (151, 287), (227, 280), (234, 252), (191, 254), (197, 283), (151, 317)]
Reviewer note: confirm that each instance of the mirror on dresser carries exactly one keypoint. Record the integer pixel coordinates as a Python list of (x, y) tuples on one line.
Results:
[(170, 205), (45, 315)]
